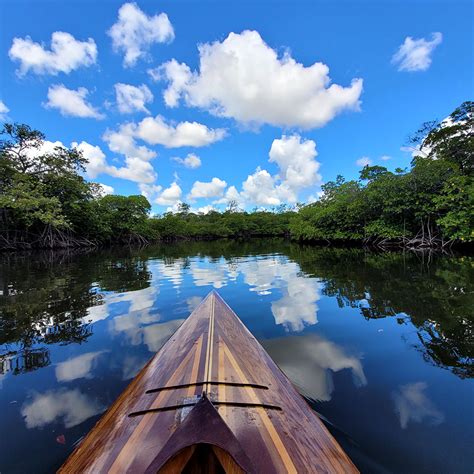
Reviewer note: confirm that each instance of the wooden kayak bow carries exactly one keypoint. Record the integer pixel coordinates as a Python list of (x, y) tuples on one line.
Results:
[(211, 401)]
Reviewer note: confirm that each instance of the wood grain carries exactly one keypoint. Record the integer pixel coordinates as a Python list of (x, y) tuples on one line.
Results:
[(212, 345)]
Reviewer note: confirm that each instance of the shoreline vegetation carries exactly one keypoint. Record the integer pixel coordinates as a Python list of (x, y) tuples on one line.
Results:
[(45, 202)]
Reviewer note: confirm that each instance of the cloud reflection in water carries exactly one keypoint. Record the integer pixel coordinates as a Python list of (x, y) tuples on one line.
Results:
[(215, 274), (76, 367), (71, 407), (297, 308), (171, 271), (309, 361), (412, 404)]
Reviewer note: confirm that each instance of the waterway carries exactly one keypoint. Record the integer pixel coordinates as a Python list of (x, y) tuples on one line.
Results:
[(380, 344)]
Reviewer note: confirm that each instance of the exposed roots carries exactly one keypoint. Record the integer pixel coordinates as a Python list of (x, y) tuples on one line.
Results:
[(53, 238), (427, 239), (49, 238)]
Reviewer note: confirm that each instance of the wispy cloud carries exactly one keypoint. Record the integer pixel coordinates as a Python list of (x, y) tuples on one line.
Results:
[(415, 54), (3, 110)]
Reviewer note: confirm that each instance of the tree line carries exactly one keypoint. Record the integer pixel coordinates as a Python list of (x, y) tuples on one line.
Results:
[(46, 202), (431, 204)]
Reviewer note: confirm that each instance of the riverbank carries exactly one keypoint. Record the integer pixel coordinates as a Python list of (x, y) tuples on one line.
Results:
[(72, 244)]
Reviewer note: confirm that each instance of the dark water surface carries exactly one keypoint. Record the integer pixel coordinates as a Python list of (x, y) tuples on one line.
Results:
[(380, 344)]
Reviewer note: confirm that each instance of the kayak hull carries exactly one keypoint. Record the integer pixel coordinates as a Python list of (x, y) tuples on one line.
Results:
[(212, 384)]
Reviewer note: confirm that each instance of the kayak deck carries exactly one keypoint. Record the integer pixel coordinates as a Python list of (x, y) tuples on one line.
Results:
[(212, 385)]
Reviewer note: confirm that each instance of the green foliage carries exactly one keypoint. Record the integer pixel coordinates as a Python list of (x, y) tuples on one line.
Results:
[(435, 197), (39, 189), (123, 215), (26, 203), (453, 139), (456, 206), (217, 225), (337, 215), (45, 191), (21, 148)]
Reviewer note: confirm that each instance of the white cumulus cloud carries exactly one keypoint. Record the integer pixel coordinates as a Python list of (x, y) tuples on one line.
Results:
[(154, 73), (66, 54), (170, 196), (298, 169), (243, 78), (204, 209), (415, 54), (132, 99), (156, 131), (137, 157), (122, 141), (136, 168), (296, 159), (231, 194), (259, 188), (71, 102), (150, 190), (191, 161), (211, 189), (135, 31)]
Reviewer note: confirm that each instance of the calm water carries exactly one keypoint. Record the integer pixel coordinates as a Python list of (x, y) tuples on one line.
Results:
[(380, 344)]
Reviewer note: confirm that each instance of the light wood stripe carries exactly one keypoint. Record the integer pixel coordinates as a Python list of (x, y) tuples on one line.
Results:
[(280, 447), (209, 351), (221, 377), (194, 371)]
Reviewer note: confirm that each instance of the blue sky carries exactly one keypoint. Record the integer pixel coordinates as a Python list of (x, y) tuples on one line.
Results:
[(250, 115)]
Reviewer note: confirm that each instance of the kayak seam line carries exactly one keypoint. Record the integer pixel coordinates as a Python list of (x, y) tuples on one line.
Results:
[(209, 382), (214, 402)]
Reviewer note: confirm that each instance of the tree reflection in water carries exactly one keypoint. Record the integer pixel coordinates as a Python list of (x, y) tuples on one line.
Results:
[(50, 298), (436, 296)]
